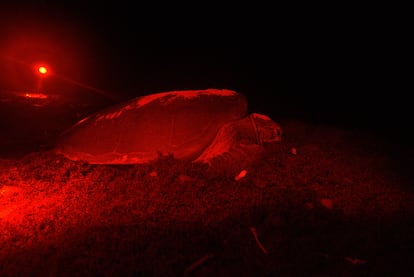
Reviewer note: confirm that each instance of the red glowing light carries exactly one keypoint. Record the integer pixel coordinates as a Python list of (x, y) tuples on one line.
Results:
[(42, 70), (35, 95)]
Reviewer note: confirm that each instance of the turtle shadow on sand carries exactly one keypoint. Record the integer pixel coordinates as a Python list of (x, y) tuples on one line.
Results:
[(209, 126)]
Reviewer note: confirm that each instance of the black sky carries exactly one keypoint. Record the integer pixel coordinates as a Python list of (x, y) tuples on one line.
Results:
[(286, 69), (134, 50)]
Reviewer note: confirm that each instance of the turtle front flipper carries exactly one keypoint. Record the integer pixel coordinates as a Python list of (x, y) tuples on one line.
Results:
[(234, 147)]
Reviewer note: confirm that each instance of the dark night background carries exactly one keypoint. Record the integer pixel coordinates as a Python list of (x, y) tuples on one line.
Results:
[(321, 71), (340, 204)]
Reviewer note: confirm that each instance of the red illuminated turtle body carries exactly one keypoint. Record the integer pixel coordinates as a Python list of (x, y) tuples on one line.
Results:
[(196, 125)]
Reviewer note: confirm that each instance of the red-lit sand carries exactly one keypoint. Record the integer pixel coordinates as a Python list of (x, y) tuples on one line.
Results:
[(340, 204)]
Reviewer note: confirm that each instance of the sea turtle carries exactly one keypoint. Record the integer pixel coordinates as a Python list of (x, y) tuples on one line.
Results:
[(196, 125)]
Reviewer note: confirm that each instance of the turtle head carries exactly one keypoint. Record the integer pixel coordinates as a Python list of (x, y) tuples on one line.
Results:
[(266, 129)]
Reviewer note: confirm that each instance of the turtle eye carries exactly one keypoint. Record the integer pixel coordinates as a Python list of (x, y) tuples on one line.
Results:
[(276, 135), (272, 135), (278, 132)]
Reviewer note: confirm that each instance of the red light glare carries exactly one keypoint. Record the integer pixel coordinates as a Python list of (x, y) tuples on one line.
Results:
[(35, 95), (42, 70)]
